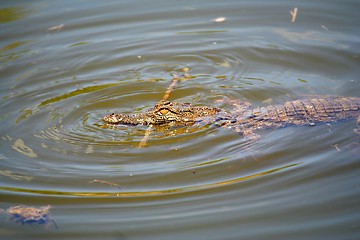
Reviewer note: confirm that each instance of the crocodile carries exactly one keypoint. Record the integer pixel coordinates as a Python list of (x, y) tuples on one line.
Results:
[(244, 119)]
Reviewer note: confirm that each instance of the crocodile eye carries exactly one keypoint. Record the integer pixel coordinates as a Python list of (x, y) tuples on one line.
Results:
[(164, 111)]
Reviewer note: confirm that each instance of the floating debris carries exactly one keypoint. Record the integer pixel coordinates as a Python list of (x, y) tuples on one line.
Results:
[(323, 27), (106, 182), (219, 19), (293, 14), (336, 146), (145, 138), (56, 28), (30, 215)]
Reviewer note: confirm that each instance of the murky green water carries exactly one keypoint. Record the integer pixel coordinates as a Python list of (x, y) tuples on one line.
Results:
[(64, 65)]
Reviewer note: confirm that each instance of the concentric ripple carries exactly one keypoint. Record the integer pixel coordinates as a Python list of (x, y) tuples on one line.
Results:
[(68, 140)]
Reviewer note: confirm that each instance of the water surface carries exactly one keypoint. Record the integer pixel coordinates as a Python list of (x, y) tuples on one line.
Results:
[(64, 65)]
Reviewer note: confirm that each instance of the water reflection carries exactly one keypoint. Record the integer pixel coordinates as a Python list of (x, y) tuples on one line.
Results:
[(12, 14), (20, 147), (7, 55), (125, 193), (68, 64)]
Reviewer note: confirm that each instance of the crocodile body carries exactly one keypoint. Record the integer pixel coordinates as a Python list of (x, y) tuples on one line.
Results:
[(165, 112), (245, 119)]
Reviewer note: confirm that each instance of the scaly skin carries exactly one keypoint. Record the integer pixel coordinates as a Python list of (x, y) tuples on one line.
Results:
[(164, 112), (298, 112), (246, 119)]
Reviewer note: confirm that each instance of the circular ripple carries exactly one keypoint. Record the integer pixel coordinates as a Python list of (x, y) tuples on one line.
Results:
[(73, 144), (83, 156)]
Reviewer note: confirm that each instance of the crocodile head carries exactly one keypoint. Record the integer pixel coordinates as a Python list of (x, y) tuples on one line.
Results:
[(164, 112)]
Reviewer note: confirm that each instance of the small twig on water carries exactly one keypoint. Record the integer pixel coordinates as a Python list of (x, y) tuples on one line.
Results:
[(170, 88), (176, 78), (323, 27), (146, 137), (56, 28), (329, 127), (106, 182), (293, 14), (336, 146)]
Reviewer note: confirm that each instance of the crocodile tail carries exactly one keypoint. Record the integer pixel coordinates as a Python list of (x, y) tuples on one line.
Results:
[(309, 111), (304, 112)]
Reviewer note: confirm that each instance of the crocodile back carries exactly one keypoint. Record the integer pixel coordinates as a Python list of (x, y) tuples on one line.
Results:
[(302, 112)]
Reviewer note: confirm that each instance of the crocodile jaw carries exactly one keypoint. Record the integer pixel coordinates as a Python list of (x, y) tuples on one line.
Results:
[(128, 119)]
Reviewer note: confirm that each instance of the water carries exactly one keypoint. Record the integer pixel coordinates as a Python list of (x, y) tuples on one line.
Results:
[(64, 65)]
